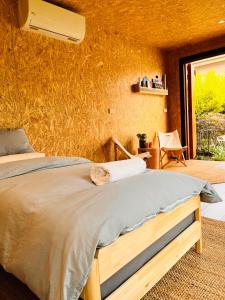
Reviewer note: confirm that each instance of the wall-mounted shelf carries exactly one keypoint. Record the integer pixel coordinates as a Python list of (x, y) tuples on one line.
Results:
[(136, 88)]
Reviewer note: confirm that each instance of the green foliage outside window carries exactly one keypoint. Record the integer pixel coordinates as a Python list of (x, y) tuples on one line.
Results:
[(209, 103), (209, 93)]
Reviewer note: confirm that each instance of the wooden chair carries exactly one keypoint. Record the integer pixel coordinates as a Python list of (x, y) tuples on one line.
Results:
[(119, 146), (170, 145)]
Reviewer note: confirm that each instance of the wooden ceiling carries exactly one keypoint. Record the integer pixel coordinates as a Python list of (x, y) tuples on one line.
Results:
[(166, 24)]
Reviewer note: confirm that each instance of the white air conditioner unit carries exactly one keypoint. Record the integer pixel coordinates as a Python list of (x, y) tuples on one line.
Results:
[(51, 20)]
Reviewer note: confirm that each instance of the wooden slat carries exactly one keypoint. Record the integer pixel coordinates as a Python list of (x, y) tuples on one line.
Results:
[(92, 289), (113, 257), (198, 245), (143, 280), (22, 156)]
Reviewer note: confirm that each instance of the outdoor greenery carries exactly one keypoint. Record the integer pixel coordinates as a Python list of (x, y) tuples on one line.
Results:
[(209, 93), (211, 136), (209, 102)]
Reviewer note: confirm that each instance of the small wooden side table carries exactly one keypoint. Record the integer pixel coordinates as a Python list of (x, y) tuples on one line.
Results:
[(153, 161)]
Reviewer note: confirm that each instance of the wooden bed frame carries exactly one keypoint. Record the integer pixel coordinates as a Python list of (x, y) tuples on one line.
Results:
[(17, 157), (110, 259)]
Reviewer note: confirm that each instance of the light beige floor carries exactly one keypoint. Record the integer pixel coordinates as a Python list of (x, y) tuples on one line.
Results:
[(212, 171)]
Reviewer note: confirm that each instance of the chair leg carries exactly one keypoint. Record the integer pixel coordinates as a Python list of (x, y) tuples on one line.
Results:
[(177, 156), (180, 158), (163, 166), (169, 160), (184, 161), (161, 160)]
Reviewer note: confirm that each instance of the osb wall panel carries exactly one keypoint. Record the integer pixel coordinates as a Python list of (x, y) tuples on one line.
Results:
[(173, 75), (165, 24), (60, 93)]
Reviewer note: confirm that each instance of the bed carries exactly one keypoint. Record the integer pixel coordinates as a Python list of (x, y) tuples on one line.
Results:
[(128, 266)]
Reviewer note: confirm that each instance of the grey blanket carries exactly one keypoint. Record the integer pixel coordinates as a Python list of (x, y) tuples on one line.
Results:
[(52, 217)]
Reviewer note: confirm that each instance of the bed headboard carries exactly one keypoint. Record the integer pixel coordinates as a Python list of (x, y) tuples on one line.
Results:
[(23, 156)]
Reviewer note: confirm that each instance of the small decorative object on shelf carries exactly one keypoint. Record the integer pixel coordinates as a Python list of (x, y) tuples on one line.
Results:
[(155, 86), (145, 82), (157, 83), (142, 139)]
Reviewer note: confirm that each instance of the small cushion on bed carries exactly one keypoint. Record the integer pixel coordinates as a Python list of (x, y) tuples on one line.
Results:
[(14, 141)]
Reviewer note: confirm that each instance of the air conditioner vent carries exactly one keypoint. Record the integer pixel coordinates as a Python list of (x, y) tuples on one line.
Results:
[(51, 20)]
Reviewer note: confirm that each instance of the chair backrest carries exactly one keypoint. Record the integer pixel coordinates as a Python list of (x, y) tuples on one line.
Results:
[(169, 140), (121, 147)]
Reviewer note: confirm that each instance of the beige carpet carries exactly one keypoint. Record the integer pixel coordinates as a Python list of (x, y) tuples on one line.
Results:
[(212, 171), (197, 277)]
